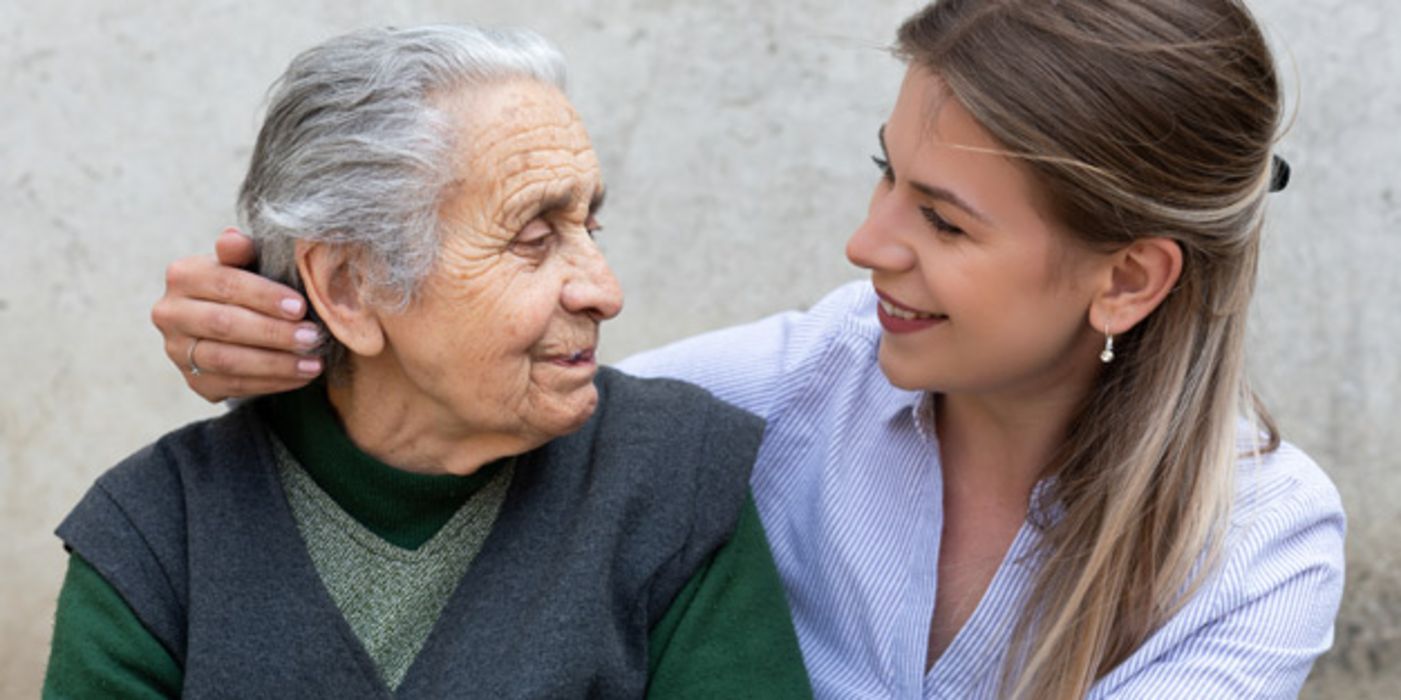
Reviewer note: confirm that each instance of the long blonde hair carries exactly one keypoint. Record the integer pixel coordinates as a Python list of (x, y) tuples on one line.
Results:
[(1137, 118)]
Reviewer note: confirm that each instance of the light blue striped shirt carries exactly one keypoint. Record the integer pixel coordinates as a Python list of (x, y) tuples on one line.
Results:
[(848, 484)]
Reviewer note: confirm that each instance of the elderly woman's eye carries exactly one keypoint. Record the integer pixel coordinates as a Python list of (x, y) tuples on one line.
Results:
[(536, 235), (593, 227)]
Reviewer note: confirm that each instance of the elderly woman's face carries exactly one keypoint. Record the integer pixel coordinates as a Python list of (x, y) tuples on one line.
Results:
[(504, 332)]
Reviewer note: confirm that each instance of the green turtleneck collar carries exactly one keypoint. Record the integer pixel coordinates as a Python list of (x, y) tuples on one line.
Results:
[(404, 508)]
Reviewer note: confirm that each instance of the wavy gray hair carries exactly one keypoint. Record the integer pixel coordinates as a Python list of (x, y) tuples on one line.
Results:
[(353, 152)]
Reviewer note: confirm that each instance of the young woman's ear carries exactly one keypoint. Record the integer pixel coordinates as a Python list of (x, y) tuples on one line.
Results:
[(1140, 277), (334, 292)]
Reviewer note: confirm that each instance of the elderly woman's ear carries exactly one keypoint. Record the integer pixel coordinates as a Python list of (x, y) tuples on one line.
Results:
[(329, 277)]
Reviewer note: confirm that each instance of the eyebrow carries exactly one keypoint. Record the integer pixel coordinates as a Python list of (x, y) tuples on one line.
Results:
[(932, 192), (564, 200)]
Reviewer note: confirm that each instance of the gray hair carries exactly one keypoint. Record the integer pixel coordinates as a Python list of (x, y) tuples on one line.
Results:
[(353, 152)]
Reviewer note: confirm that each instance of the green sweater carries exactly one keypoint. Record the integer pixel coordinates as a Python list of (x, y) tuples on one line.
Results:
[(731, 613)]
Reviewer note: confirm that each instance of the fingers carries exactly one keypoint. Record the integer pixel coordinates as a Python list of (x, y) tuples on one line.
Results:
[(215, 357), (180, 319), (201, 277), (250, 329), (227, 370), (235, 249), (243, 349)]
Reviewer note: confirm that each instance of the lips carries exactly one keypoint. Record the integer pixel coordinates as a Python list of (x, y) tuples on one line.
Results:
[(899, 318), (579, 358)]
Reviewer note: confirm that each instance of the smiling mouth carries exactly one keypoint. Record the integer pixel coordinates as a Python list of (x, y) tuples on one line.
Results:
[(903, 313), (895, 309)]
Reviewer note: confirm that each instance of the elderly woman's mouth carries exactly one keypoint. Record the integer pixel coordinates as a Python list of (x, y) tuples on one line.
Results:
[(578, 358)]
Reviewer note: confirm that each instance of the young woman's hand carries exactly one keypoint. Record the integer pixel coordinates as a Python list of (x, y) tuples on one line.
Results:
[(231, 332)]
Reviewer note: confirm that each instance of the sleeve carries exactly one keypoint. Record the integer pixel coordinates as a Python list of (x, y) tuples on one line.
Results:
[(129, 528), (100, 648), (1286, 582), (758, 366), (729, 634)]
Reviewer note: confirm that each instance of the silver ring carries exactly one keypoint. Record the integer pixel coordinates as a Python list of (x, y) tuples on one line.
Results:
[(190, 358)]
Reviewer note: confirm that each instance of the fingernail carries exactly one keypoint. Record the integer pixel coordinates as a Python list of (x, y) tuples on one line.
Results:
[(308, 368), (293, 306), (307, 337)]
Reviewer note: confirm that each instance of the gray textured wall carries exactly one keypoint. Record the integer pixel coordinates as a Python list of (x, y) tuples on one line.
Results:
[(735, 141)]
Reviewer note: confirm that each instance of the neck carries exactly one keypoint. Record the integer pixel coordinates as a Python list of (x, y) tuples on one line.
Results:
[(1000, 444), (391, 419)]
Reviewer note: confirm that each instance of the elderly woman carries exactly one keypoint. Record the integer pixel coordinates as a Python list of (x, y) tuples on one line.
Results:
[(467, 506)]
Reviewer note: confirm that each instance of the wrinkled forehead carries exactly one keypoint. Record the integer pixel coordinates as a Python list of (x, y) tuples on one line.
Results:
[(520, 130)]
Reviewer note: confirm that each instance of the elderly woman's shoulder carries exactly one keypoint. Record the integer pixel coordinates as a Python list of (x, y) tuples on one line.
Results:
[(667, 405), (132, 524), (160, 470), (665, 437)]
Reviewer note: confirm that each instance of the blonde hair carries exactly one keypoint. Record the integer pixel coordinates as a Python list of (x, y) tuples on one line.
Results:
[(1137, 118)]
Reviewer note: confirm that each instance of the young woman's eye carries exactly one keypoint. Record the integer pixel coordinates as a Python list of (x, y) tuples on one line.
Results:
[(884, 165), (939, 223)]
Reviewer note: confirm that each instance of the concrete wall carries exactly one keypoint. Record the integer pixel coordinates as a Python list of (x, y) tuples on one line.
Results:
[(735, 139)]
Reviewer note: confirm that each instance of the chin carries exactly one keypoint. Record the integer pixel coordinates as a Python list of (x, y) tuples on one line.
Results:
[(901, 372), (573, 411), (909, 383)]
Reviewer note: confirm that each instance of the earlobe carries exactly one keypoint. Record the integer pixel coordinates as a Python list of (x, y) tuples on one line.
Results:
[(1141, 277), (334, 293)]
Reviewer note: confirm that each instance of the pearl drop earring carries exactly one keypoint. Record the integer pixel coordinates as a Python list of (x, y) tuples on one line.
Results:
[(1107, 355)]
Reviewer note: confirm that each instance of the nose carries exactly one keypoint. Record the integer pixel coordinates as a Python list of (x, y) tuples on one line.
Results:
[(592, 289), (876, 245)]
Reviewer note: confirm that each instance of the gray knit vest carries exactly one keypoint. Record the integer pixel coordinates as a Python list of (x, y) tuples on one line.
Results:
[(599, 532)]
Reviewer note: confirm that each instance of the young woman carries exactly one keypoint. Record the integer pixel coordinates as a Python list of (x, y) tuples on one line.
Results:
[(1024, 460)]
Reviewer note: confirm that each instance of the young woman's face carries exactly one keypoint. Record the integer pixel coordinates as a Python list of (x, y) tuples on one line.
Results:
[(980, 290)]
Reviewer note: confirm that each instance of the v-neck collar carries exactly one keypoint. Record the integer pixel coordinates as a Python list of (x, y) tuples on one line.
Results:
[(305, 584)]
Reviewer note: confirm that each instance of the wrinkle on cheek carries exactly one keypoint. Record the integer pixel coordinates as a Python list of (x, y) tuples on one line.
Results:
[(459, 263), (502, 293), (475, 280)]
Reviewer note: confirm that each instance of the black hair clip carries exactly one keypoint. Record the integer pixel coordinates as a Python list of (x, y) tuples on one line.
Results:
[(1279, 173)]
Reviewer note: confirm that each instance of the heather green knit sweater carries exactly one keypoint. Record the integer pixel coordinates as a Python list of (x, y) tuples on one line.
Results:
[(390, 546)]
